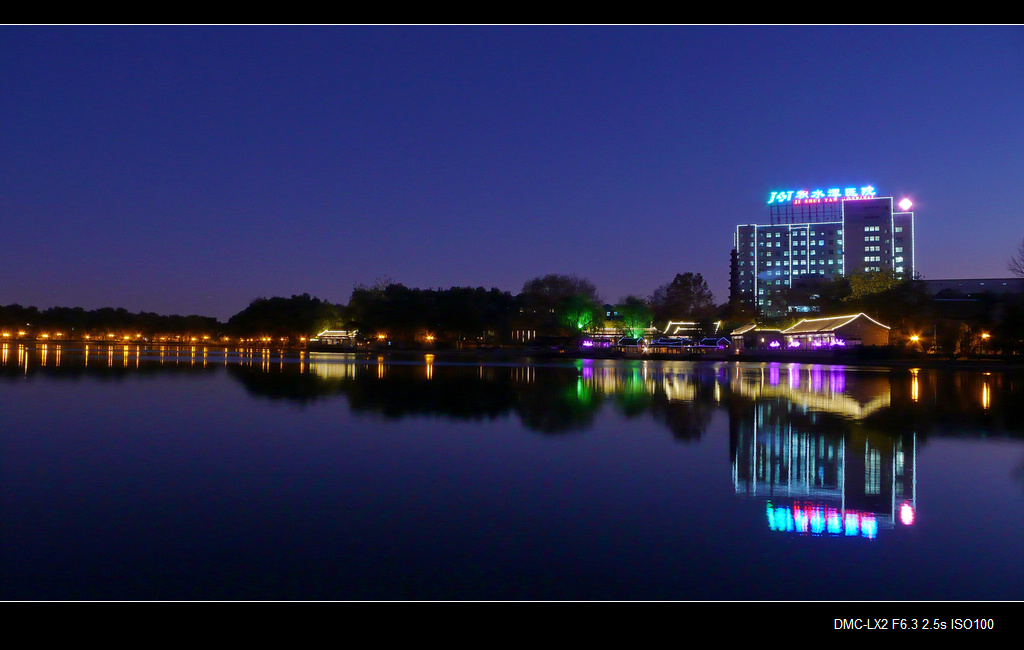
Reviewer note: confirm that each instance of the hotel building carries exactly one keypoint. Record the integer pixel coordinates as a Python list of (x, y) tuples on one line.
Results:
[(814, 236)]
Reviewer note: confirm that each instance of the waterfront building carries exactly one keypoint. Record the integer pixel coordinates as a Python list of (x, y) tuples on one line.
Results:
[(753, 337), (335, 337), (838, 331), (813, 236)]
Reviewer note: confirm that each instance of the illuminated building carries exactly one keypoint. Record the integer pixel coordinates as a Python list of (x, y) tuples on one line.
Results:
[(814, 236), (837, 331)]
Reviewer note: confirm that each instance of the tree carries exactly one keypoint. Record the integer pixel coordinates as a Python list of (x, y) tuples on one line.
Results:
[(1016, 263), (868, 283), (687, 297), (636, 315), (566, 302), (300, 315)]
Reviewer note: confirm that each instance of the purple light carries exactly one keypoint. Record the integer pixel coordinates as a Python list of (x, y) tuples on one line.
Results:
[(587, 343), (794, 344), (774, 344)]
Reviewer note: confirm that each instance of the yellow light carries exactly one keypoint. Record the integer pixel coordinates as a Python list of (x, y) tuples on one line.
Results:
[(985, 335)]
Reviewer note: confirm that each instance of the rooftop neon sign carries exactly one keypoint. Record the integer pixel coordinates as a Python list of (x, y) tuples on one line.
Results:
[(830, 195)]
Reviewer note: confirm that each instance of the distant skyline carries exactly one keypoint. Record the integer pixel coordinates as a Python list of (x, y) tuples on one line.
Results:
[(191, 169)]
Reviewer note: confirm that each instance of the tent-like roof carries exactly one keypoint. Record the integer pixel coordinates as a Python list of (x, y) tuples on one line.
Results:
[(818, 325), (752, 326), (743, 330)]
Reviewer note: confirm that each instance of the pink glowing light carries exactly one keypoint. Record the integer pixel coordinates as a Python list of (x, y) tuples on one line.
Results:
[(907, 514)]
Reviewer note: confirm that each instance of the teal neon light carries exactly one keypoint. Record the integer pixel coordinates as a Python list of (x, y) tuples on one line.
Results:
[(819, 195)]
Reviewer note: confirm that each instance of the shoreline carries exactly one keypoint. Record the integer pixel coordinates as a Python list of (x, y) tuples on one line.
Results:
[(857, 358)]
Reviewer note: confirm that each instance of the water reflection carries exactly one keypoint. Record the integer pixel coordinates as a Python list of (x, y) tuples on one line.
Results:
[(823, 475), (680, 394), (428, 462)]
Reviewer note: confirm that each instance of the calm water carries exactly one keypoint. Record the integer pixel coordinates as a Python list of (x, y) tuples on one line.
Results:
[(179, 474)]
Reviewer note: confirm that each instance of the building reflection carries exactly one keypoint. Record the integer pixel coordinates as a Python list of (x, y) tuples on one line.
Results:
[(809, 447)]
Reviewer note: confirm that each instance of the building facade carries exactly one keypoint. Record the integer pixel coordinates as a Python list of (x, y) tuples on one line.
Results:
[(814, 236)]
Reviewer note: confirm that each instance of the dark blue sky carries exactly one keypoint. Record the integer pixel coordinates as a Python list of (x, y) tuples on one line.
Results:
[(191, 169)]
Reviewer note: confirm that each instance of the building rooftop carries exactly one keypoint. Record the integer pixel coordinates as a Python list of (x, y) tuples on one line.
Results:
[(815, 325)]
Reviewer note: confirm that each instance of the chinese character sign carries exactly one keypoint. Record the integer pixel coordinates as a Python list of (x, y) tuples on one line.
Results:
[(819, 195)]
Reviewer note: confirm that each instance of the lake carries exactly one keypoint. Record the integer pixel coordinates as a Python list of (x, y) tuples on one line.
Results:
[(198, 473)]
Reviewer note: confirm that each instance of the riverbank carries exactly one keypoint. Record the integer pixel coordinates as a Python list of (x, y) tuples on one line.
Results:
[(866, 357)]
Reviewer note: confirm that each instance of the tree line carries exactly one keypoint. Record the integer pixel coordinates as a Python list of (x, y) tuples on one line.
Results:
[(553, 305), (550, 305)]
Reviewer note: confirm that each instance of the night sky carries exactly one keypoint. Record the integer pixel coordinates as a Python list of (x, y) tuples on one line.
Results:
[(192, 169)]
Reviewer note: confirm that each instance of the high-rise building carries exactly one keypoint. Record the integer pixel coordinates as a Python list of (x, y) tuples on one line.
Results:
[(812, 237)]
